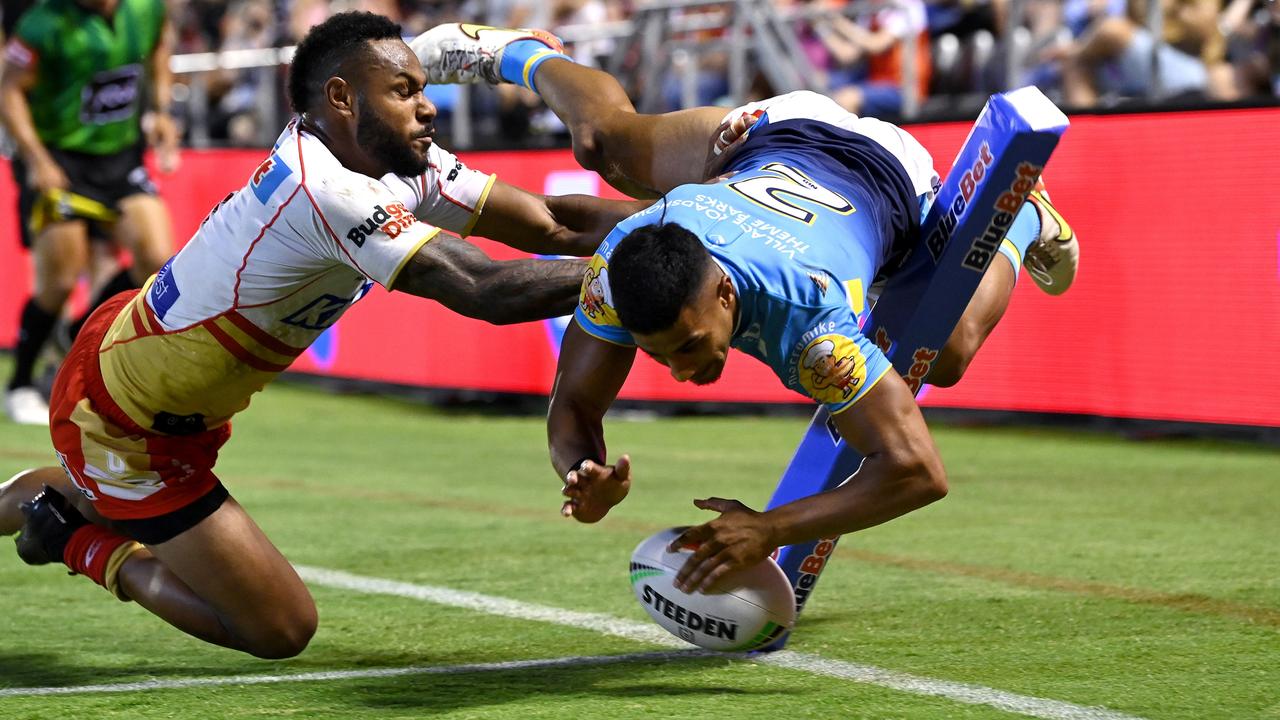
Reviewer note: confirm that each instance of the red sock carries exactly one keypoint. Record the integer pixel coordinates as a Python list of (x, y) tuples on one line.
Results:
[(89, 550)]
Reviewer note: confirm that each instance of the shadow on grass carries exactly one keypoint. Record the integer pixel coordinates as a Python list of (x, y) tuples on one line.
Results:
[(71, 669), (636, 680)]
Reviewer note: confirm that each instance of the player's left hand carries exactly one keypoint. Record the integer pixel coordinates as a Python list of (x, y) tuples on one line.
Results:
[(739, 538), (592, 489)]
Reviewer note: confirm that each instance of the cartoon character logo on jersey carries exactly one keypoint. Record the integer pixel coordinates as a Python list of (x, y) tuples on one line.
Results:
[(832, 368), (392, 220), (596, 299)]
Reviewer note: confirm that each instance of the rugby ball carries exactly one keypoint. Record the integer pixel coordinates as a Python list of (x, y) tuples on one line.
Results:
[(746, 611)]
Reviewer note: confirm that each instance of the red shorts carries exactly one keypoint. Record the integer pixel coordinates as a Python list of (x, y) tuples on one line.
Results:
[(128, 472)]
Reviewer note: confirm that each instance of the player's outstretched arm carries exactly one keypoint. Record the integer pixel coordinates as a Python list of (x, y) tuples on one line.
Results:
[(901, 472), (588, 377), (465, 280), (550, 225)]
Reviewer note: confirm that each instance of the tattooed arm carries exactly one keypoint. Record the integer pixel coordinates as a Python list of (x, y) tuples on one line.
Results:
[(470, 283)]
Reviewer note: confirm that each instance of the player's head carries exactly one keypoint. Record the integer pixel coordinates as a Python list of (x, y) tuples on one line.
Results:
[(674, 300), (355, 75)]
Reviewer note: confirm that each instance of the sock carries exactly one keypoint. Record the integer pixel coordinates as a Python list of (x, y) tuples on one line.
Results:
[(520, 60), (116, 285), (98, 554), (1023, 232), (33, 331)]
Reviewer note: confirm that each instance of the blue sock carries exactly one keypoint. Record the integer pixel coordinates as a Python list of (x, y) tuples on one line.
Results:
[(520, 60), (1023, 232)]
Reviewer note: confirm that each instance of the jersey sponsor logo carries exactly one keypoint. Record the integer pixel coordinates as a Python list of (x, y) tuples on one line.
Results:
[(164, 290), (267, 178), (110, 95), (320, 313), (596, 299), (392, 220), (831, 368)]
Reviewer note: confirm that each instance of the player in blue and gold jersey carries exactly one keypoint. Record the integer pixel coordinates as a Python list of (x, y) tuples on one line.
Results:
[(776, 221)]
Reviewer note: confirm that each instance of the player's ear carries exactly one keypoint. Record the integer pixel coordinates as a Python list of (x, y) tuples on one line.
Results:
[(725, 291), (340, 95)]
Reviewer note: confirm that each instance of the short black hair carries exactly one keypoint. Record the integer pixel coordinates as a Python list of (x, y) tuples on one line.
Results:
[(654, 273), (327, 47)]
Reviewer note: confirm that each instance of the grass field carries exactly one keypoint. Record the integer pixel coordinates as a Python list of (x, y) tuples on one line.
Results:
[(1092, 577)]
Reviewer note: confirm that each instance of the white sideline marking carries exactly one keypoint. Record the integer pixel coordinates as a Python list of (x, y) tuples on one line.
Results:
[(647, 632), (354, 674)]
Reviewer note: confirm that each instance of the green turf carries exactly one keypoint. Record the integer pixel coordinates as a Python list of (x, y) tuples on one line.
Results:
[(1142, 577)]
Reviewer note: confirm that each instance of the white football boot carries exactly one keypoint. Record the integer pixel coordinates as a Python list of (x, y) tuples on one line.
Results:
[(465, 53), (1054, 257), (26, 406)]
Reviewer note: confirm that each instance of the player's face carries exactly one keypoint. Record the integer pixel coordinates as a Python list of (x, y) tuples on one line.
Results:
[(395, 121), (696, 347)]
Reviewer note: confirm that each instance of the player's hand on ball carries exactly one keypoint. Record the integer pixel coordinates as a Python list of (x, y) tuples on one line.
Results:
[(593, 489), (739, 538)]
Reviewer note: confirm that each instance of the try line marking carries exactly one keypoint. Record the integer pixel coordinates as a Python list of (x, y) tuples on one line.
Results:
[(619, 627), (651, 633)]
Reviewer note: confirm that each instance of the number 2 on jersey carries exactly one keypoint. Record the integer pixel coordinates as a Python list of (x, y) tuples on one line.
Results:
[(776, 190)]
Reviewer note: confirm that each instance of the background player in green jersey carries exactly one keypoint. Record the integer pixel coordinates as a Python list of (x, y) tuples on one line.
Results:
[(78, 76)]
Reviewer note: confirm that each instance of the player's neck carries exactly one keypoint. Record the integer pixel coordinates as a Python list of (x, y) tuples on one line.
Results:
[(349, 154)]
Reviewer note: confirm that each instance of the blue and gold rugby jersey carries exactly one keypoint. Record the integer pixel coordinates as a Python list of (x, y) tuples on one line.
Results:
[(802, 228)]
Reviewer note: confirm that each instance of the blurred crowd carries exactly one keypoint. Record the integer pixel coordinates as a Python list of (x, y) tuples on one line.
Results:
[(1083, 53)]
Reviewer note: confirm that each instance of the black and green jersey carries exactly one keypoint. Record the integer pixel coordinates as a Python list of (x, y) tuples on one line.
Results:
[(89, 71)]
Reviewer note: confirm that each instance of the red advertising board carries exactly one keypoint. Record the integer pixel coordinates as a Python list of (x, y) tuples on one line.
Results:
[(1175, 314)]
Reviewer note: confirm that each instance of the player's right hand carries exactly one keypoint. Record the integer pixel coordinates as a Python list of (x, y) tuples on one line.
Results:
[(45, 175), (593, 489)]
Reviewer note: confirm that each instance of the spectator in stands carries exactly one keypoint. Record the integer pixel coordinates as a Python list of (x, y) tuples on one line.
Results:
[(1253, 45), (235, 94), (874, 43), (1115, 55)]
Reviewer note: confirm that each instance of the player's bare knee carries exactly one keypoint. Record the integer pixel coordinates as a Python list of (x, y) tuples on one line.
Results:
[(285, 636), (948, 368), (927, 478), (958, 352), (934, 484)]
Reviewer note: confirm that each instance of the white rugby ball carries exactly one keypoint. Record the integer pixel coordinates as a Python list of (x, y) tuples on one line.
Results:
[(748, 609)]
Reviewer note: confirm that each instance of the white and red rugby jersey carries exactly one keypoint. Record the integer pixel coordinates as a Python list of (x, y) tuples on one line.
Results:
[(272, 266)]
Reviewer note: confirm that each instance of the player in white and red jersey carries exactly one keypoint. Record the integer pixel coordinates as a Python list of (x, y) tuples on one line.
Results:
[(353, 193)]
